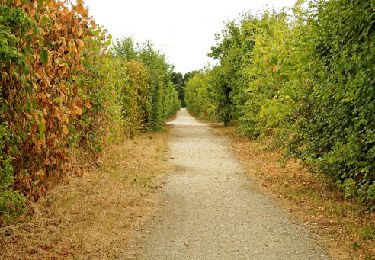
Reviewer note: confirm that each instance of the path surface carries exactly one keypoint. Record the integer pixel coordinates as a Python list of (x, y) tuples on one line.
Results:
[(211, 211)]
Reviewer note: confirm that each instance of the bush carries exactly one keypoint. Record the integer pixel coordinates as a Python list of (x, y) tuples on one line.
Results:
[(337, 123), (12, 202), (306, 81), (65, 95)]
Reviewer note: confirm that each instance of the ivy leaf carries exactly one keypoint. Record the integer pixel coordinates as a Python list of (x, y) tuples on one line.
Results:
[(44, 56)]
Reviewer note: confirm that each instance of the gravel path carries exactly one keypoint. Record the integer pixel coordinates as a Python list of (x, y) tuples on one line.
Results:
[(211, 210)]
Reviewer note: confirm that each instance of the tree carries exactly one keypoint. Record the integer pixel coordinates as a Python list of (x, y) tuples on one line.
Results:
[(178, 81)]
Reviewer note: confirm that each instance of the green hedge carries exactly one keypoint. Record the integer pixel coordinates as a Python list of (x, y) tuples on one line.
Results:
[(304, 78)]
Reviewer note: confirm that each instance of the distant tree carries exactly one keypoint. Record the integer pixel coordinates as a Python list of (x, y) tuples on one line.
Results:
[(189, 75), (178, 80)]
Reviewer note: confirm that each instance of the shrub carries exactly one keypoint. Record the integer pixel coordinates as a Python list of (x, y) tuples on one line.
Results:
[(305, 80)]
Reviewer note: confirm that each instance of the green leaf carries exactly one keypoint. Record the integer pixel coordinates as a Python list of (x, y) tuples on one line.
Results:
[(44, 56)]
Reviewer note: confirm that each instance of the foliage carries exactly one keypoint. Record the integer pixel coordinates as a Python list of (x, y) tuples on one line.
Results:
[(189, 75), (64, 93), (338, 109), (156, 95), (305, 79), (11, 202), (234, 51), (163, 96), (40, 99), (136, 106), (178, 81), (200, 96), (101, 124)]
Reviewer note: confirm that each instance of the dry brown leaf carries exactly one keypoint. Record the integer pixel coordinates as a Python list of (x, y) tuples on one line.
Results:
[(87, 104)]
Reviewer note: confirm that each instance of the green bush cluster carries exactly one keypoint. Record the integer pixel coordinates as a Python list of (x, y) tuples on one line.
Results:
[(149, 95), (304, 77), (11, 201)]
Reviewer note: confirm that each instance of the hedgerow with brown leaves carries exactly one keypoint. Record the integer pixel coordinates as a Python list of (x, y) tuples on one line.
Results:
[(64, 92)]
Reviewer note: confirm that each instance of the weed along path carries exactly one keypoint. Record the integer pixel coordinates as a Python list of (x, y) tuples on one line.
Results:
[(211, 210)]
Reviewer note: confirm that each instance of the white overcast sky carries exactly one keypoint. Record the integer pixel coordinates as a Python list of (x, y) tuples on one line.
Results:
[(184, 30)]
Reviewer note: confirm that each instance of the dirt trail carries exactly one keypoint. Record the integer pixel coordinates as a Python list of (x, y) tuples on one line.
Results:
[(213, 212)]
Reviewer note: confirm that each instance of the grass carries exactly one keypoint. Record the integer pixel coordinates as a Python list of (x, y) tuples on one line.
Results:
[(346, 228), (95, 215)]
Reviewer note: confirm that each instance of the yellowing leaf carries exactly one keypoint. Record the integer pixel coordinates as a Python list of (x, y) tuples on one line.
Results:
[(81, 44), (77, 110), (72, 47), (65, 130), (80, 9), (65, 118), (93, 24)]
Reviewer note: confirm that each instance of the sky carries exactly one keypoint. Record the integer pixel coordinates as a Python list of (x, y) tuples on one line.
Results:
[(184, 30)]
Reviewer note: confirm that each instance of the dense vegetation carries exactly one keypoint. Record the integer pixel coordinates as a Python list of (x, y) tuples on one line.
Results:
[(66, 94), (304, 77)]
